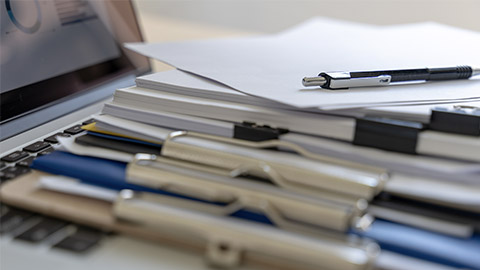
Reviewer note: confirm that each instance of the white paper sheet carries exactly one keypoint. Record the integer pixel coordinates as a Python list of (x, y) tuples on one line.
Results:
[(272, 66), (76, 187), (184, 83)]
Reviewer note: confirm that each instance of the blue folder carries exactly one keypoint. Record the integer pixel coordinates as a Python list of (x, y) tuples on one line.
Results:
[(426, 245)]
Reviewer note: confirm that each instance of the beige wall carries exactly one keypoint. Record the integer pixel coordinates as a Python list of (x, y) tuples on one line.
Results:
[(274, 15), (173, 20)]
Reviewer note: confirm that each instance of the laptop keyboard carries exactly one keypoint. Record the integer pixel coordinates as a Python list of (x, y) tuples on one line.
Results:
[(17, 162), (22, 225), (53, 139)]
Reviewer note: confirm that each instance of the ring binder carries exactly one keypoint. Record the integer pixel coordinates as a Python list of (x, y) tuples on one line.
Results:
[(229, 241), (331, 174), (288, 146), (237, 173), (287, 210)]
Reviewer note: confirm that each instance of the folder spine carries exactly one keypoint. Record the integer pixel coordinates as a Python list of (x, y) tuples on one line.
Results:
[(387, 134)]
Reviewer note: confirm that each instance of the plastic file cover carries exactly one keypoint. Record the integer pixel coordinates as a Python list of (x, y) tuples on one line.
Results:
[(443, 249), (273, 66)]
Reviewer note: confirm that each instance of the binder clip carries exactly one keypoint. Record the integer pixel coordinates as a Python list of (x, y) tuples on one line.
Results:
[(387, 134), (461, 119), (250, 131)]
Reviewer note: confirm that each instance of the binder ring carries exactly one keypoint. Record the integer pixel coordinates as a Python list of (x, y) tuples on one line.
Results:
[(383, 174)]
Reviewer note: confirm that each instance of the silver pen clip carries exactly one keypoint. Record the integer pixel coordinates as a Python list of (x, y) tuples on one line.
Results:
[(343, 80), (229, 241)]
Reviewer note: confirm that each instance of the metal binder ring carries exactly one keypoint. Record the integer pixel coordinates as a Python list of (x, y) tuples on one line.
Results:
[(272, 175), (383, 173)]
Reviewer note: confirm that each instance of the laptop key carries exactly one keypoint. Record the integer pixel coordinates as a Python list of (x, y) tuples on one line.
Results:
[(15, 156), (42, 230), (46, 151), (82, 240), (36, 146), (12, 219), (6, 175), (89, 121), (26, 162), (12, 172), (3, 210), (74, 130), (2, 164), (53, 138)]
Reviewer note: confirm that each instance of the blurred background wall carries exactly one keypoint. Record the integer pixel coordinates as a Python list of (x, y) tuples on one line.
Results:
[(274, 15)]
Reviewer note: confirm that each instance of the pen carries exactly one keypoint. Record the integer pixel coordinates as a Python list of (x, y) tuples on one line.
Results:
[(344, 80)]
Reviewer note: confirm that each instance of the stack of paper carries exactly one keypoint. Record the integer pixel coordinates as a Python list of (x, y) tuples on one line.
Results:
[(272, 67), (229, 151)]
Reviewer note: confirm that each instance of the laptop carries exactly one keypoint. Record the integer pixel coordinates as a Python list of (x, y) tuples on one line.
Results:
[(60, 61)]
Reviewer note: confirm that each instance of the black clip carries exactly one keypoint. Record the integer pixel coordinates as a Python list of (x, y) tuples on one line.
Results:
[(388, 134), (460, 120), (256, 133)]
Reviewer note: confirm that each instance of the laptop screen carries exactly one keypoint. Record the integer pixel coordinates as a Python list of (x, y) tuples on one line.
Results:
[(53, 50)]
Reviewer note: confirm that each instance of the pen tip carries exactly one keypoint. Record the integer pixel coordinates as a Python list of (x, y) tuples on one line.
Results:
[(314, 81), (475, 71)]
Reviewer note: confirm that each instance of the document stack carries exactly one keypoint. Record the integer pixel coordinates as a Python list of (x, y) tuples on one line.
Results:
[(228, 155)]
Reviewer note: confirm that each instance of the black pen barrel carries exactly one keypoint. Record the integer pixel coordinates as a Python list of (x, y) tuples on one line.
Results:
[(451, 73), (421, 74)]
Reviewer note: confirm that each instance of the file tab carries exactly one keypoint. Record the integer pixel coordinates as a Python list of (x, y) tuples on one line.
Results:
[(250, 131), (461, 120)]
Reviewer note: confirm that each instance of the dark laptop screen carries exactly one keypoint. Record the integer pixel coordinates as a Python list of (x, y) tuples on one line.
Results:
[(53, 50)]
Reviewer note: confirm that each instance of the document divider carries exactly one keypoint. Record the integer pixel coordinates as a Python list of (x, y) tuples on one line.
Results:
[(413, 138), (287, 210), (252, 132), (461, 120), (305, 174), (228, 241), (388, 134)]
